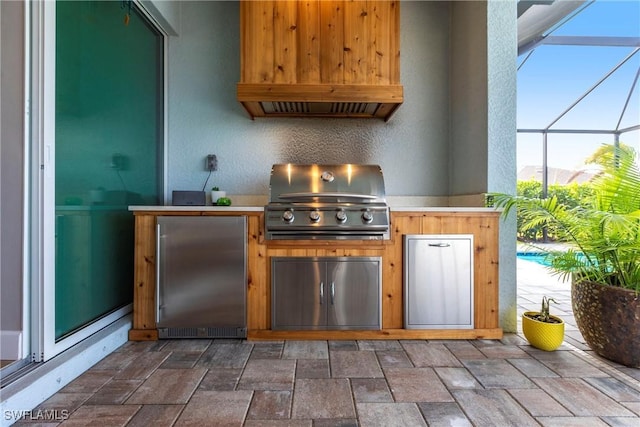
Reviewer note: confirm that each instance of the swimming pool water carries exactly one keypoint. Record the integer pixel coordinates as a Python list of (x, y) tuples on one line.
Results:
[(537, 257)]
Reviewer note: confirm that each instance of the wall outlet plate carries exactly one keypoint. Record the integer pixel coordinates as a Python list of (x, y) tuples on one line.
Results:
[(211, 163)]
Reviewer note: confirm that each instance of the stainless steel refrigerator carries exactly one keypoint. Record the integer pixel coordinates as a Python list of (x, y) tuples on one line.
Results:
[(202, 276)]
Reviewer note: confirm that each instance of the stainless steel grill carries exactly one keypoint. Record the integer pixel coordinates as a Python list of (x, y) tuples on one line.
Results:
[(314, 201)]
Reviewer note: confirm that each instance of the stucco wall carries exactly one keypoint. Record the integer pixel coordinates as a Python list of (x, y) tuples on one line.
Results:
[(469, 98), (204, 116), (501, 143), (483, 120)]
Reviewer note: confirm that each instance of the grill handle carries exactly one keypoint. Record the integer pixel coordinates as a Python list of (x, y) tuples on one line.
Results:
[(333, 292), (326, 195)]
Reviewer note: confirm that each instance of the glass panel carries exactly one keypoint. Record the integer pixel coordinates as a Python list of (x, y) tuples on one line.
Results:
[(529, 156), (108, 152), (567, 154)]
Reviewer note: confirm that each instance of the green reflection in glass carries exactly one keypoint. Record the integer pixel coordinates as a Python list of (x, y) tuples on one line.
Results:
[(108, 150)]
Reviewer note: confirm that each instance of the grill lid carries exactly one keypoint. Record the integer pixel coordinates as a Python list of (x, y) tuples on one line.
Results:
[(346, 183), (326, 202)]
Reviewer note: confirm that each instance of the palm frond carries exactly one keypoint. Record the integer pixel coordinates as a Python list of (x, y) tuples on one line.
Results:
[(604, 235)]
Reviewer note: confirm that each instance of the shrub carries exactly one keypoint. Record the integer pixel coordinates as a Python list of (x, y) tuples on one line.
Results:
[(570, 195)]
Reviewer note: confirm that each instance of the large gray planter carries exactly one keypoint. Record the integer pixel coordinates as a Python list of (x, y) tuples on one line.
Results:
[(609, 320)]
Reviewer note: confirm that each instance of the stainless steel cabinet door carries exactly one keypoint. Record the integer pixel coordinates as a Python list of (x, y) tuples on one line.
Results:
[(298, 294), (354, 294), (325, 293), (438, 281)]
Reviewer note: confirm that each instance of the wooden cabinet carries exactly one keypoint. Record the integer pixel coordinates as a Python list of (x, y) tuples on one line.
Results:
[(482, 225), (320, 58), (320, 42), (145, 270), (325, 293)]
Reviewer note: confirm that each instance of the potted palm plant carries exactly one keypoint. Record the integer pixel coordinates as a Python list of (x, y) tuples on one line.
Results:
[(542, 329), (602, 257)]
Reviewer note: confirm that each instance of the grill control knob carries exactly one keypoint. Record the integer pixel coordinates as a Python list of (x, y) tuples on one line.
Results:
[(341, 216), (367, 217), (314, 216), (287, 216)]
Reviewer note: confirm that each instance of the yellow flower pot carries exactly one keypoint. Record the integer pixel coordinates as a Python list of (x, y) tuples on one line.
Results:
[(542, 335)]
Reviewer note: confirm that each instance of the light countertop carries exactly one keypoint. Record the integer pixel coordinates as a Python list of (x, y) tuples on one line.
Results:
[(244, 203), (209, 208)]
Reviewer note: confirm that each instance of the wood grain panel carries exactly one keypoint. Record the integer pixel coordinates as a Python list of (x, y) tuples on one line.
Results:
[(285, 44), (308, 56), (144, 273), (394, 42), (386, 110), (356, 34), (338, 252), (320, 42), (331, 42), (487, 273), (257, 41), (257, 283), (328, 244), (143, 335), (393, 274), (379, 43), (252, 92), (385, 334)]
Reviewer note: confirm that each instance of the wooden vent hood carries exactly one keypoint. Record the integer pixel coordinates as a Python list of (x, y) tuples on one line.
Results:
[(319, 58)]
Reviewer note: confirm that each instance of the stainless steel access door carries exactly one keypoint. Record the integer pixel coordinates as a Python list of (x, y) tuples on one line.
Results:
[(354, 293), (438, 282), (298, 293), (325, 293), (202, 281)]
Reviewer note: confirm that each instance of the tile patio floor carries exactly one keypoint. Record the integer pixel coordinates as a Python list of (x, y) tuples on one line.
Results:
[(366, 383)]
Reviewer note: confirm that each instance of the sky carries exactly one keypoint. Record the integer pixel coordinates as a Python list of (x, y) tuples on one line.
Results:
[(554, 77)]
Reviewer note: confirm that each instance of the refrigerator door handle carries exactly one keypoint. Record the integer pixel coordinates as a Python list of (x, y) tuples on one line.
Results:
[(157, 304)]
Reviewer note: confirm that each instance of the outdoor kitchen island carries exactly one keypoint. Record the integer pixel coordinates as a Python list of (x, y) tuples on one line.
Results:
[(481, 223)]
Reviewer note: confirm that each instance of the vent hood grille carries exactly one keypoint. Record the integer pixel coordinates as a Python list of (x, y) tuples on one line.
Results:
[(309, 100), (320, 58), (355, 108)]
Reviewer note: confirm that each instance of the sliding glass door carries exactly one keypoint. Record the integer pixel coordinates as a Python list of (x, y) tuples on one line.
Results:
[(107, 155)]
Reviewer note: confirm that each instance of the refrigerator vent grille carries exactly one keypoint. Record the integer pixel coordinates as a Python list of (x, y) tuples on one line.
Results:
[(220, 332)]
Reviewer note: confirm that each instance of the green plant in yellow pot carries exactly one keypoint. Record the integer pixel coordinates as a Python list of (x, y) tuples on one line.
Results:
[(541, 329)]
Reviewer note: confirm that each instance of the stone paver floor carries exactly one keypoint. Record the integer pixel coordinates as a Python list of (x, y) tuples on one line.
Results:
[(365, 383)]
